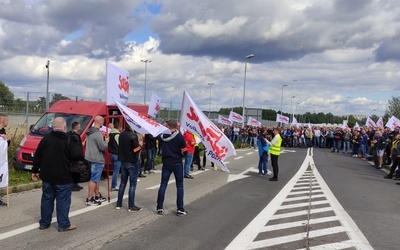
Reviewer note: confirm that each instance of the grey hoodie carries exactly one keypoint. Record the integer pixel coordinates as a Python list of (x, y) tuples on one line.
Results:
[(95, 146)]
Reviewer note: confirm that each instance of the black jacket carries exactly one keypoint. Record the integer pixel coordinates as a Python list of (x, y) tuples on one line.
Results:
[(52, 159), (128, 142), (75, 144)]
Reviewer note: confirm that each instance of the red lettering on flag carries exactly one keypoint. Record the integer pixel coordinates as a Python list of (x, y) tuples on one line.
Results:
[(123, 83)]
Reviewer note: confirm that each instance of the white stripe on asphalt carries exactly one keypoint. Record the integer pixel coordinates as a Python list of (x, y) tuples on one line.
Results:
[(294, 237), (237, 158), (298, 213), (54, 219), (246, 237), (173, 181), (249, 153), (302, 198), (297, 224), (307, 203)]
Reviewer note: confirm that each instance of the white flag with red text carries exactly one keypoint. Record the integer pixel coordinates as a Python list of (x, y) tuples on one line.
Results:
[(393, 123), (117, 88), (154, 106), (370, 123), (253, 122), (282, 119), (3, 163), (235, 117), (379, 123), (223, 120), (295, 122), (141, 123), (217, 146)]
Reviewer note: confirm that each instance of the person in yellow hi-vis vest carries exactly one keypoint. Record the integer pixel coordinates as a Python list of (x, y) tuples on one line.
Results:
[(275, 151)]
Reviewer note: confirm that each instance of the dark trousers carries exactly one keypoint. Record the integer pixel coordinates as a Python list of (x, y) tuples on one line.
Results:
[(196, 157), (274, 163)]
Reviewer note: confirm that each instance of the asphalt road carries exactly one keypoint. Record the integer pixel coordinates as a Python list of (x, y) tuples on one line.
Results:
[(222, 209)]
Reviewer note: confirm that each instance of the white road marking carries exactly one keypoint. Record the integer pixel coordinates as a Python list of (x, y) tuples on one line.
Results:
[(245, 240), (235, 177), (237, 158), (54, 219), (294, 237), (249, 153), (173, 181)]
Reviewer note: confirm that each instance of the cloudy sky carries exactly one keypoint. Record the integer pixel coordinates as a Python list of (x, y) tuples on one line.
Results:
[(335, 56)]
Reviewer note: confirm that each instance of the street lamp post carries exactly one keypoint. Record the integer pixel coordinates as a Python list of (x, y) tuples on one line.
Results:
[(291, 107), (283, 85), (47, 86), (145, 78), (209, 107), (244, 84)]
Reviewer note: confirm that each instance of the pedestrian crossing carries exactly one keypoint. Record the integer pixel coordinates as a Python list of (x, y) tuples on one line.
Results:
[(304, 215)]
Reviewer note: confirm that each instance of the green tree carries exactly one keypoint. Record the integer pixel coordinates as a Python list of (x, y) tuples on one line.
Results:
[(394, 107), (57, 97), (6, 96)]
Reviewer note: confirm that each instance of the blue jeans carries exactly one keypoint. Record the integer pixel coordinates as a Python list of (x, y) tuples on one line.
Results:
[(151, 154), (117, 165), (253, 141), (167, 170), (234, 138), (188, 163), (262, 164), (62, 195), (336, 145), (316, 141), (346, 146), (128, 169), (364, 150), (322, 142)]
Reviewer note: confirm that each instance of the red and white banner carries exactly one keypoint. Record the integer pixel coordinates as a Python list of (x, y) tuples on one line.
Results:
[(370, 123), (3, 163), (235, 117), (117, 88), (154, 105), (253, 122), (223, 120), (379, 123), (217, 146), (141, 123), (295, 122), (356, 126), (393, 122), (282, 119)]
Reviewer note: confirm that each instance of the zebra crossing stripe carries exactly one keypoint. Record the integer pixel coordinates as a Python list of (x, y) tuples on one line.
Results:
[(296, 218)]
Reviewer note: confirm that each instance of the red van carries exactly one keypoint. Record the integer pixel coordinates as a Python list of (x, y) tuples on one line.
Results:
[(83, 112)]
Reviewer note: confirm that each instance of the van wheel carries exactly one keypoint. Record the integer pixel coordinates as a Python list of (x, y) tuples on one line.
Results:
[(85, 176)]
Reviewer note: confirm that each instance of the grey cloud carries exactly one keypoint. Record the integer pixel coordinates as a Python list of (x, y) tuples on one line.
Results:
[(274, 31), (388, 50)]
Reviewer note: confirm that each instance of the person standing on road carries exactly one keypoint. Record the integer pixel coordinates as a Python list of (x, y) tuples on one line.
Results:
[(113, 150), (94, 154), (275, 151), (128, 153), (151, 149), (75, 143), (263, 149), (52, 161), (3, 124), (190, 145), (173, 146)]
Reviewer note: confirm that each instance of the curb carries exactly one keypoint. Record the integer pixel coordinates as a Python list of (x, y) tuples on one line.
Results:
[(21, 188)]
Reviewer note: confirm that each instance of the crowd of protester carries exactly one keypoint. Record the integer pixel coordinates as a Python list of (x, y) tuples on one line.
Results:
[(380, 145)]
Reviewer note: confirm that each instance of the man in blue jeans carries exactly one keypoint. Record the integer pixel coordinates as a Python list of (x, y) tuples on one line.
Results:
[(173, 148), (52, 161), (128, 153)]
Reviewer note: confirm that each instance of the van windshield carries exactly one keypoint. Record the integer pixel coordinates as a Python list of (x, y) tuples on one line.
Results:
[(45, 124)]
